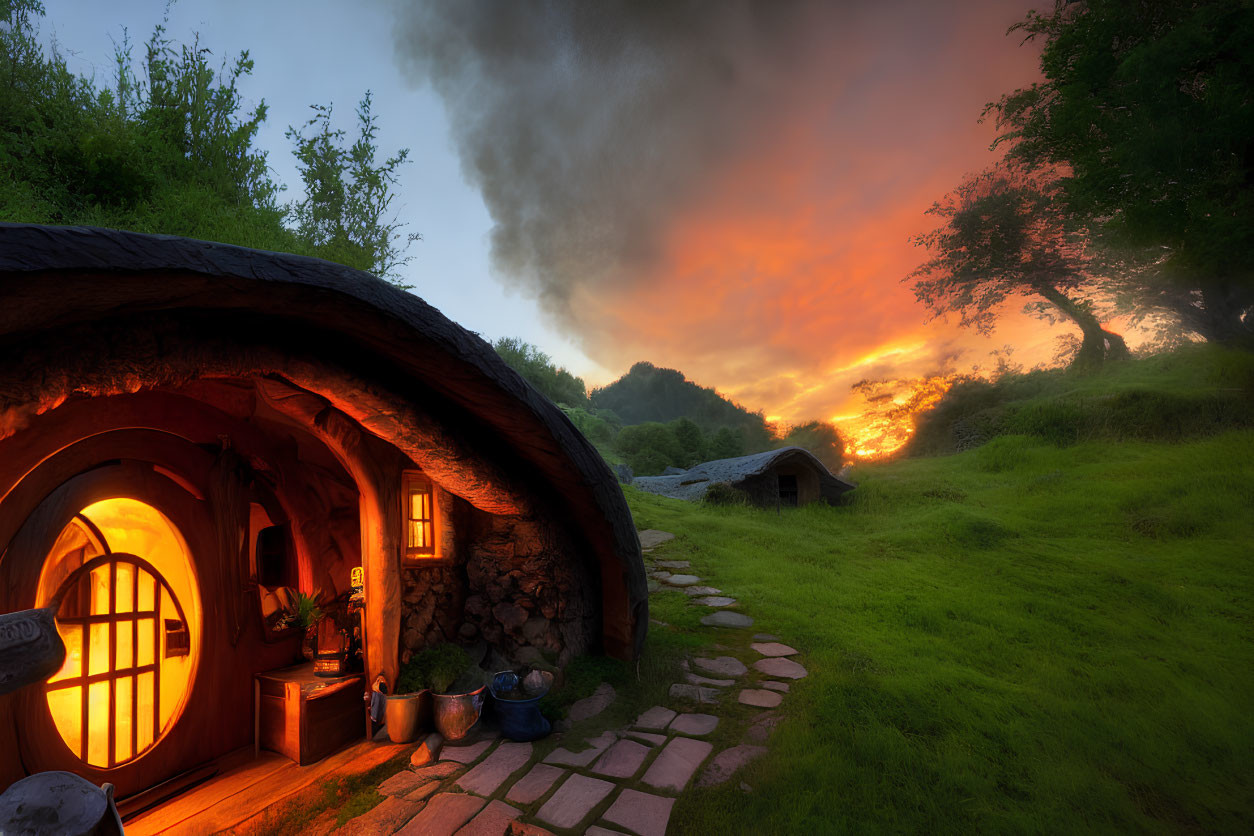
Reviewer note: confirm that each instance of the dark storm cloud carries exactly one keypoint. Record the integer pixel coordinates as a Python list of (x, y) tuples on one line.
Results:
[(589, 125)]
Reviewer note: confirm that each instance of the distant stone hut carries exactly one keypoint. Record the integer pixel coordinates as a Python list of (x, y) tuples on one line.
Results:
[(789, 477), (191, 433)]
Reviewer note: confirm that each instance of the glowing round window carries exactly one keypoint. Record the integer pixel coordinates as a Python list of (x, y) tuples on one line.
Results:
[(129, 615)]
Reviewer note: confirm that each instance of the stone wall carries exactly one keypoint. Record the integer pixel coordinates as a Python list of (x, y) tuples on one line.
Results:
[(516, 584)]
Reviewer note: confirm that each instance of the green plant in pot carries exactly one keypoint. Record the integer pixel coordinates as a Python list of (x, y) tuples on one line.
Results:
[(458, 689), (304, 614)]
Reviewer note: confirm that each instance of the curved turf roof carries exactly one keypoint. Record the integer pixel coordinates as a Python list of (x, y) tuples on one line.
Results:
[(61, 282), (692, 483)]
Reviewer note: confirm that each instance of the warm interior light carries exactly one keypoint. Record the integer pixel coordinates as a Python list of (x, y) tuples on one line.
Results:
[(419, 516), (131, 627)]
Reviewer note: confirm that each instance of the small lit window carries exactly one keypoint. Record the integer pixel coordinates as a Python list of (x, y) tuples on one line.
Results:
[(419, 515)]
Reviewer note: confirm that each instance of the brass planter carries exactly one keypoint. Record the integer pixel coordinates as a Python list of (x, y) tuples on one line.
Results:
[(456, 714), (407, 715)]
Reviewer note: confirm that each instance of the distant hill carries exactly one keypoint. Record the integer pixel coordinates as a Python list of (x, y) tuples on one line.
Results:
[(648, 393)]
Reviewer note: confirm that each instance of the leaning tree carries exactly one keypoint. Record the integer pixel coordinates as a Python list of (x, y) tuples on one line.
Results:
[(1005, 234), (1150, 106)]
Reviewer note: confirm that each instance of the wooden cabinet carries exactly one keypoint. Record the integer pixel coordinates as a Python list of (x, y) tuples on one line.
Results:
[(307, 717)]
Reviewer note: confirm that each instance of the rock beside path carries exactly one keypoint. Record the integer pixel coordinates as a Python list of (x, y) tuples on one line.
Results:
[(651, 538), (783, 668), (725, 618), (759, 698), (593, 705), (722, 665), (727, 762)]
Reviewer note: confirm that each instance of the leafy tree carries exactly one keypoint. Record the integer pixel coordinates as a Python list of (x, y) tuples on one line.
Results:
[(650, 448), (557, 384), (1005, 233), (726, 444), (1150, 105), (692, 440), (819, 438), (348, 194)]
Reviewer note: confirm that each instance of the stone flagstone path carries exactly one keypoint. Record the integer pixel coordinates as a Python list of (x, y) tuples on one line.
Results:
[(623, 781)]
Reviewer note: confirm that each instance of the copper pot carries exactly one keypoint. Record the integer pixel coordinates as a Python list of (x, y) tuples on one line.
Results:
[(456, 714)]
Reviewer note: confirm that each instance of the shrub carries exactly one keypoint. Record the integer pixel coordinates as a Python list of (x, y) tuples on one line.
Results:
[(721, 493), (436, 668)]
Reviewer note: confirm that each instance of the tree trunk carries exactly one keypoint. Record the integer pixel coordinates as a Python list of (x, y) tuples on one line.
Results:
[(1098, 345)]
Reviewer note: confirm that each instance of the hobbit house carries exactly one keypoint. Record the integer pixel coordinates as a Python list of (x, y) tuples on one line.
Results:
[(196, 440)]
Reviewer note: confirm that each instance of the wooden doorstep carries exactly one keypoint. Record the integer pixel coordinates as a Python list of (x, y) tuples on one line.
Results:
[(251, 788)]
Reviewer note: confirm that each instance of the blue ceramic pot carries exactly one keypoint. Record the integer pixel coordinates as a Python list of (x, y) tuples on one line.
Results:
[(520, 720)]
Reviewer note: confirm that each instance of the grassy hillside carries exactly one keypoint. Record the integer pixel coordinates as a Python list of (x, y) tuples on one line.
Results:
[(1199, 390), (1025, 637)]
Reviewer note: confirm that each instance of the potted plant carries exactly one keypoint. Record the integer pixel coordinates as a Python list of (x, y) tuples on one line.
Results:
[(305, 614), (408, 709), (457, 688)]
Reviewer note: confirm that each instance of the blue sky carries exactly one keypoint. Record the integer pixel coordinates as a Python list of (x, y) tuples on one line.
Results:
[(332, 52)]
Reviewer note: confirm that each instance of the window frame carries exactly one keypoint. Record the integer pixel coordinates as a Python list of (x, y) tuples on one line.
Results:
[(418, 556)]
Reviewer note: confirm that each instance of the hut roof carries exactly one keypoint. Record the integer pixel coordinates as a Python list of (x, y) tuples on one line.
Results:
[(692, 484), (58, 281)]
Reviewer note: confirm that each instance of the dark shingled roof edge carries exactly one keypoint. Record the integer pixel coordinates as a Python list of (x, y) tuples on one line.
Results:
[(692, 484)]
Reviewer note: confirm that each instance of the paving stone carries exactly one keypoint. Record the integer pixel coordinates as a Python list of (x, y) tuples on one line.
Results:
[(652, 538), (727, 762), (715, 601), (400, 783), (725, 618), (760, 698), (694, 724), (465, 754), (762, 726), (622, 760), (673, 564), (640, 812), (534, 784), (765, 637), (682, 580), (587, 756), (654, 586), (596, 830), (593, 705), (492, 820), (384, 817), (648, 737), (428, 750), (574, 800), (783, 668), (423, 792), (723, 666), (774, 685), (658, 717), (522, 828), (659, 575), (773, 649), (698, 679), (701, 590), (438, 771), (695, 693), (443, 816), (674, 765), (487, 777)]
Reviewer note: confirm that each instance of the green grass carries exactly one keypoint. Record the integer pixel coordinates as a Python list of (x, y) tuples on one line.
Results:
[(1194, 392), (1021, 638)]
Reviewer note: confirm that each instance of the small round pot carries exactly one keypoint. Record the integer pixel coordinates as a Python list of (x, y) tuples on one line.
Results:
[(456, 714), (521, 720), (406, 715)]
